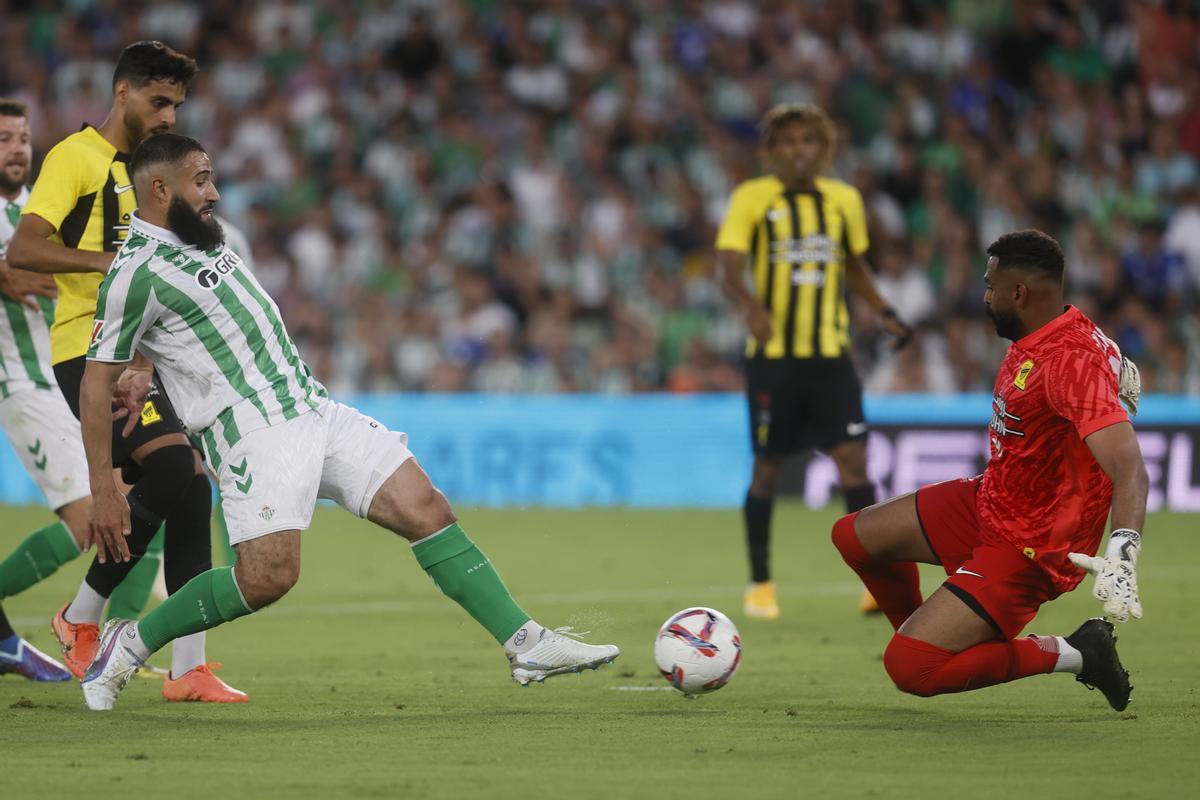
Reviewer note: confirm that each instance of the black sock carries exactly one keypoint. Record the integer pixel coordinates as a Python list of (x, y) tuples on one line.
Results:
[(757, 512), (5, 629), (166, 475), (859, 497), (188, 547)]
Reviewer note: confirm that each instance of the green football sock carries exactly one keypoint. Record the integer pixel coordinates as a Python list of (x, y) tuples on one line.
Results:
[(204, 602), (129, 599), (37, 558), (465, 575)]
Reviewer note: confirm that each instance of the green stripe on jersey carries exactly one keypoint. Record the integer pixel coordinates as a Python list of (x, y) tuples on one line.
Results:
[(23, 338), (135, 308), (200, 325), (286, 346), (244, 319)]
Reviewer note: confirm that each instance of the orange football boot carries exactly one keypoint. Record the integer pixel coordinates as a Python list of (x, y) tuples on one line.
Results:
[(867, 604), (79, 641), (200, 685)]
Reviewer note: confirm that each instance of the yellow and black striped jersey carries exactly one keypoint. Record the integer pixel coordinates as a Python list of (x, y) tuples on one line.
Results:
[(797, 244), (84, 191)]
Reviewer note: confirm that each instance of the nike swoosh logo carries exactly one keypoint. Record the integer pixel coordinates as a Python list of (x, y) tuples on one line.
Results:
[(856, 428), (962, 571), (122, 189)]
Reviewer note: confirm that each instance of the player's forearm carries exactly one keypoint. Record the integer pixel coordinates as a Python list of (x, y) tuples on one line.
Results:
[(859, 279), (1131, 484), (732, 267), (33, 253), (95, 418)]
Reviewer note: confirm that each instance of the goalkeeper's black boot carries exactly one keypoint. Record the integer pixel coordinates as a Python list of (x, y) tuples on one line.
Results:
[(1101, 667)]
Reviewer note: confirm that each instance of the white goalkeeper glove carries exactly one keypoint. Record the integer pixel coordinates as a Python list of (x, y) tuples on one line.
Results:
[(1116, 574), (1131, 385)]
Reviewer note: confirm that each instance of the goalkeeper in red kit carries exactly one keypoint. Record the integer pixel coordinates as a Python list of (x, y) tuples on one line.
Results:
[(1063, 457)]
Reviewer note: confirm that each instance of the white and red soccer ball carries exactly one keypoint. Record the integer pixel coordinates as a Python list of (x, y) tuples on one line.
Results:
[(698, 650)]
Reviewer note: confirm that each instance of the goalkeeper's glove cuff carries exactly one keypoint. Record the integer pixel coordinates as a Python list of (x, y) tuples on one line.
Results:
[(1124, 544)]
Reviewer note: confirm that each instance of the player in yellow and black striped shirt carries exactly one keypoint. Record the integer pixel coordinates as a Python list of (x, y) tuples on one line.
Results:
[(802, 237)]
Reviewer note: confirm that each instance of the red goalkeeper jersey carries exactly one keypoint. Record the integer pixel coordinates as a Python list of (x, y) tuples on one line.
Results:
[(1043, 491)]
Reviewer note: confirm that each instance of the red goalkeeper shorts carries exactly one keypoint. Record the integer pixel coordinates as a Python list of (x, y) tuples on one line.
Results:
[(986, 572)]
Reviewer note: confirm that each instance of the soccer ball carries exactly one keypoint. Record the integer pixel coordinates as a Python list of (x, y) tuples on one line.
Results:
[(698, 650)]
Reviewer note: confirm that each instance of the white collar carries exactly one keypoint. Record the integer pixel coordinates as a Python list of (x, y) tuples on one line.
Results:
[(22, 198), (162, 234)]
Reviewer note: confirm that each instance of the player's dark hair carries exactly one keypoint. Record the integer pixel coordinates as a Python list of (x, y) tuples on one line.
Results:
[(1030, 249), (143, 62), (785, 114), (12, 108), (161, 148)]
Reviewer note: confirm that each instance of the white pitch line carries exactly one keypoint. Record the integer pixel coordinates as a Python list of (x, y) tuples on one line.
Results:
[(642, 688), (695, 595)]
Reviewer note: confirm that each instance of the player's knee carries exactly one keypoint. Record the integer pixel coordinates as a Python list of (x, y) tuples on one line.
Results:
[(263, 584), (431, 512), (846, 540), (765, 477), (167, 475), (912, 665), (75, 516)]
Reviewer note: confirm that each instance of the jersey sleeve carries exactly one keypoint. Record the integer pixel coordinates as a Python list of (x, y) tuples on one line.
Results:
[(125, 309), (737, 229), (62, 180), (856, 222), (1083, 390)]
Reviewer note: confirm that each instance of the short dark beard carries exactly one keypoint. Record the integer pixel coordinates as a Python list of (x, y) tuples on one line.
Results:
[(12, 187), (189, 226), (1008, 325), (134, 128)]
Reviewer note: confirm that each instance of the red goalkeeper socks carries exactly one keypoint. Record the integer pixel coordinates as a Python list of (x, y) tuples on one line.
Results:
[(895, 585), (924, 669)]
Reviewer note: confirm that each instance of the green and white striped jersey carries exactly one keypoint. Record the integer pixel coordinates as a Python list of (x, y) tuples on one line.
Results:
[(24, 333), (216, 338)]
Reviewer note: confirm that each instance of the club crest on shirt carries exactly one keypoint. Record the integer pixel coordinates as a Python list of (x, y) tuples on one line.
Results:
[(1023, 375)]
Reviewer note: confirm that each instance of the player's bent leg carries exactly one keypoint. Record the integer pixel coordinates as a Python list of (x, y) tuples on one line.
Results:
[(880, 544), (850, 457), (407, 503), (947, 647), (187, 552), (269, 566)]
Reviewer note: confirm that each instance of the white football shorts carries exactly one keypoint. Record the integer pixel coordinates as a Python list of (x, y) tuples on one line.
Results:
[(271, 478), (45, 436)]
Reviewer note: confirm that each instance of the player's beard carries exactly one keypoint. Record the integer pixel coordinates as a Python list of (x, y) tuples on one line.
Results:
[(189, 226), (1008, 324), (137, 129), (10, 185)]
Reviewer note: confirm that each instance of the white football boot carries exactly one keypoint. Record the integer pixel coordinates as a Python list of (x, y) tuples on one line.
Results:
[(558, 652), (112, 668)]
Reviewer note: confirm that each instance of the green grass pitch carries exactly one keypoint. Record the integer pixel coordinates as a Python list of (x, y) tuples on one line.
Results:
[(366, 682)]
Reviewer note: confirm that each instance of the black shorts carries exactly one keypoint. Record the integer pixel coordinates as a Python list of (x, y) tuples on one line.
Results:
[(802, 403), (158, 417)]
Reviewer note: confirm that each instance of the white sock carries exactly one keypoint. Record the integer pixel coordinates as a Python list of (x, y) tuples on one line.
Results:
[(87, 606), (132, 639), (187, 653), (1069, 659), (524, 638)]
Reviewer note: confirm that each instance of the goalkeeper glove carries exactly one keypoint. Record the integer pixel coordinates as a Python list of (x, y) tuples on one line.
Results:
[(1116, 574), (1131, 385)]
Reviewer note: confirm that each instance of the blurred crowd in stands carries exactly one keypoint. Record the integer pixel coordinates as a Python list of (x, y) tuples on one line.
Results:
[(512, 196)]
